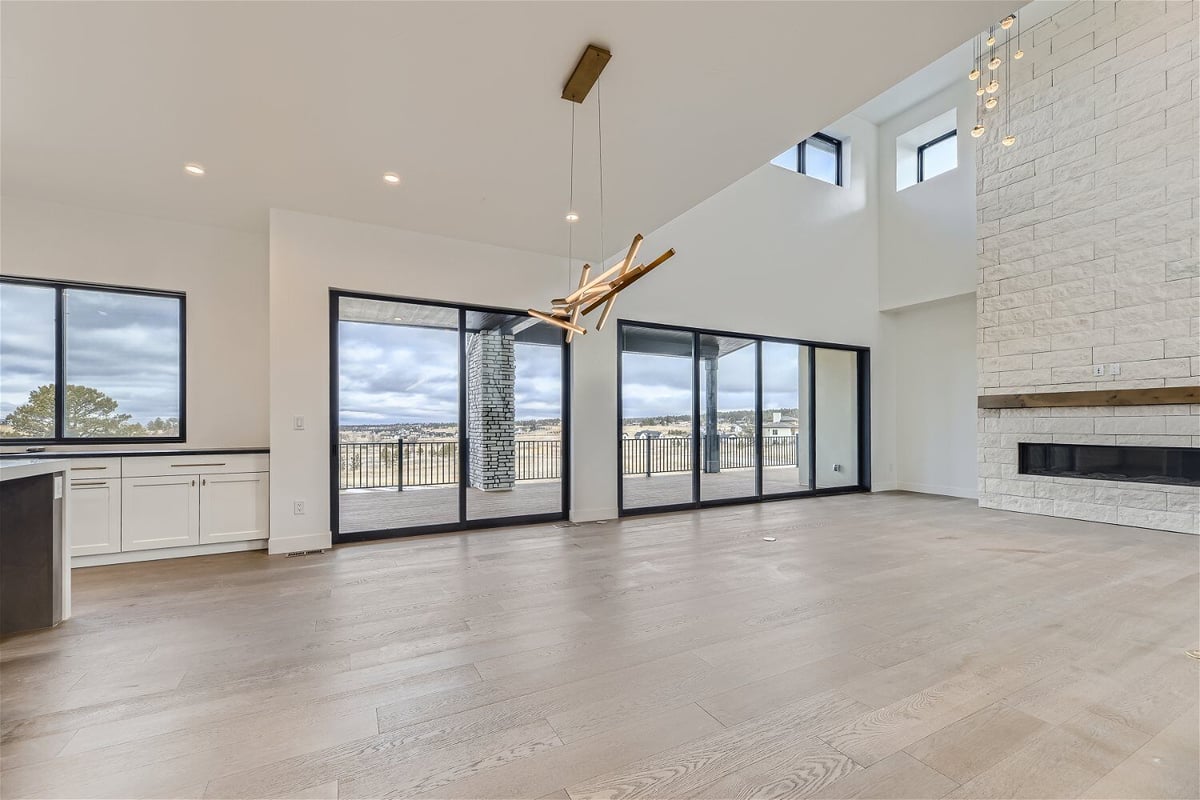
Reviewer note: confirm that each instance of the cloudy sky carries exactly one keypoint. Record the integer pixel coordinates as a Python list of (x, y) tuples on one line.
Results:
[(391, 373), (654, 385), (127, 346)]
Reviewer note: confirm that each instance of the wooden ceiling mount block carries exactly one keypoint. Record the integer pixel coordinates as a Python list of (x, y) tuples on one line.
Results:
[(587, 72), (1169, 395)]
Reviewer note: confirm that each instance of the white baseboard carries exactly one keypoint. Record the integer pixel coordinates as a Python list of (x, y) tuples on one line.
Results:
[(592, 514), (949, 491), (884, 487), (100, 559), (299, 543)]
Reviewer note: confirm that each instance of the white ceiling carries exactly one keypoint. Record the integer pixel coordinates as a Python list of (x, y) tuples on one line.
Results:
[(304, 105)]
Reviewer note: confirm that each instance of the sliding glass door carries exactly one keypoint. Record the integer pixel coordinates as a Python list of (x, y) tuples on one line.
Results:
[(444, 417), (728, 451), (658, 418), (709, 417)]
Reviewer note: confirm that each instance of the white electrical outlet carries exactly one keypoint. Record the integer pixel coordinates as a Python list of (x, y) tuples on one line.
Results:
[(1097, 369), (298, 507), (1114, 369)]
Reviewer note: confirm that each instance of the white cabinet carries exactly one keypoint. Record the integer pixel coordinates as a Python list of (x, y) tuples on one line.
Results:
[(162, 511), (234, 507), (122, 504), (94, 514)]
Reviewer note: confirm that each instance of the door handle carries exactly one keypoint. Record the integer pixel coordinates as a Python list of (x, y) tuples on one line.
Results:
[(204, 481), (77, 484), (84, 469), (203, 464)]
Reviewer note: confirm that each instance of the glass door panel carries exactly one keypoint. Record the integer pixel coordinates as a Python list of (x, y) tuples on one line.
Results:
[(837, 417), (657, 417), (398, 437), (727, 417), (785, 419), (514, 370)]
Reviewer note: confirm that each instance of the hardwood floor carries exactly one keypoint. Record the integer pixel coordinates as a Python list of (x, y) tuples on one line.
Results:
[(887, 645), (380, 509)]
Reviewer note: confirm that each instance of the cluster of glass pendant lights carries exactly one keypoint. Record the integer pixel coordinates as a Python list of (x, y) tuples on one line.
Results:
[(987, 62)]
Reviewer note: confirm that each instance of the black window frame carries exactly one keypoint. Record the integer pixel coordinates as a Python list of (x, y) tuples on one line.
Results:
[(60, 363), (824, 137), (952, 133), (697, 501), (465, 522)]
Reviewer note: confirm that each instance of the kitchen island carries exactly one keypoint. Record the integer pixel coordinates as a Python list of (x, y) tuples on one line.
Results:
[(35, 569)]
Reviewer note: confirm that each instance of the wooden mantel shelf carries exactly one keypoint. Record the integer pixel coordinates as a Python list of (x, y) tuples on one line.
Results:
[(1170, 395)]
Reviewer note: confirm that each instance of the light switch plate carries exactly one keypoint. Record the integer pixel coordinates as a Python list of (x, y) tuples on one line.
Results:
[(298, 422)]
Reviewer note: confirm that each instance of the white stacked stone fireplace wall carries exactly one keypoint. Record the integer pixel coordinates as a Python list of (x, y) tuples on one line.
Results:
[(1087, 249)]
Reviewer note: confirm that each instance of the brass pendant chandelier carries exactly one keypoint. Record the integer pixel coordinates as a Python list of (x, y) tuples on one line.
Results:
[(600, 292)]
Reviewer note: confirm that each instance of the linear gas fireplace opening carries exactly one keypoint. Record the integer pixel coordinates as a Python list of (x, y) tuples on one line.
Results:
[(1177, 466)]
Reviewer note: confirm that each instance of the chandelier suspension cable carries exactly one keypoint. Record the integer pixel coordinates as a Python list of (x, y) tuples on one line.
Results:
[(571, 204), (600, 143)]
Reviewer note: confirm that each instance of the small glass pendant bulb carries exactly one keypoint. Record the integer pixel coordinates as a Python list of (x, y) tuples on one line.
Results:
[(978, 91), (973, 75), (1017, 56), (1009, 140), (1008, 21), (977, 131), (991, 103), (991, 40), (994, 63), (992, 87), (572, 216)]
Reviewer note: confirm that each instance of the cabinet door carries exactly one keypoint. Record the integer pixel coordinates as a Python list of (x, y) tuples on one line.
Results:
[(234, 508), (94, 515), (160, 512)]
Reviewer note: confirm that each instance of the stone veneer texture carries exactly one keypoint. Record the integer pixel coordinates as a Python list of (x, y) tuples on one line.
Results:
[(1087, 249), (491, 410)]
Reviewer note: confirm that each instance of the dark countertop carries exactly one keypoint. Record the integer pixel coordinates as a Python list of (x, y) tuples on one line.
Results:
[(182, 451)]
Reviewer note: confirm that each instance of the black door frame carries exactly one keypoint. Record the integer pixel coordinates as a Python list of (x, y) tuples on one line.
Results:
[(463, 523), (864, 421)]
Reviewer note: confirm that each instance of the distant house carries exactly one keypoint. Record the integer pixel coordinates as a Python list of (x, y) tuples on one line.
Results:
[(647, 434), (781, 425)]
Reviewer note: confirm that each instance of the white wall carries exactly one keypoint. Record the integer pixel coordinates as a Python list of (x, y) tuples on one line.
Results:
[(308, 256), (223, 273), (776, 253), (935, 397), (927, 231)]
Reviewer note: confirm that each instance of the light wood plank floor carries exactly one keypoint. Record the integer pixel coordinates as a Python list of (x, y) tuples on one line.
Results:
[(887, 645), (381, 509)]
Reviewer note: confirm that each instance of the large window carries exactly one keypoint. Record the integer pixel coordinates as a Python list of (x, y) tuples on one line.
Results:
[(95, 363), (819, 156), (445, 417), (937, 156), (711, 417)]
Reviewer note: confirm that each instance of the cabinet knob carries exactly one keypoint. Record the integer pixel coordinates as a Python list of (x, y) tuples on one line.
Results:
[(204, 481)]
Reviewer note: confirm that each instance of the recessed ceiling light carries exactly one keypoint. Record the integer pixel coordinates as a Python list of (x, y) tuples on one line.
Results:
[(391, 178), (193, 169)]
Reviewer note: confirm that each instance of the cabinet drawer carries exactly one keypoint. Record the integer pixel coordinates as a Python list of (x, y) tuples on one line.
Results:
[(147, 466), (95, 468)]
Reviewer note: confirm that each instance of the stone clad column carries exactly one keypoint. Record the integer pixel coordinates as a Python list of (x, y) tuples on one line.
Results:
[(491, 410)]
